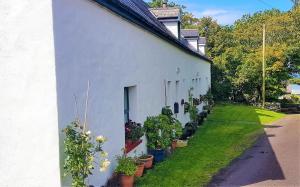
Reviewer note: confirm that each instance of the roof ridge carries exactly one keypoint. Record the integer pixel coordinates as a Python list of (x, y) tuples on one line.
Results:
[(162, 8)]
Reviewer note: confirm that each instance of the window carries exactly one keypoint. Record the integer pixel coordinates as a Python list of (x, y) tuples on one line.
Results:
[(200, 89), (169, 93), (126, 105), (132, 139), (196, 87), (130, 103), (176, 91)]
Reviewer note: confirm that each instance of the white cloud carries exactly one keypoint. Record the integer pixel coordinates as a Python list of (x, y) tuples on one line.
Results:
[(223, 17)]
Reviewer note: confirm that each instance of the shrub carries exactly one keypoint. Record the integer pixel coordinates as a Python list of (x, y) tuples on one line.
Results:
[(80, 150), (176, 125), (177, 132), (208, 97), (167, 111), (158, 131)]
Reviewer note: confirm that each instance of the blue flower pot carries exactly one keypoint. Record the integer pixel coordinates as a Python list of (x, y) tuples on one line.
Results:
[(159, 155)]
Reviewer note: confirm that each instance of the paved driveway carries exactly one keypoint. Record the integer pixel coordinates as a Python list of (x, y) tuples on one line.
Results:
[(273, 161)]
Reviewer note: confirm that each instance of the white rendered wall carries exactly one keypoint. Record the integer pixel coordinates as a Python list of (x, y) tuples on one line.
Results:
[(93, 44), (29, 152), (172, 26)]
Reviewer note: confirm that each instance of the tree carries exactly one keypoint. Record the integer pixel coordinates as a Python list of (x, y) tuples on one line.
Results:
[(159, 3), (296, 2), (237, 57)]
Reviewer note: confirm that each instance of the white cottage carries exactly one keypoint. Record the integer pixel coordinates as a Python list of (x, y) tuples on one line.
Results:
[(50, 49)]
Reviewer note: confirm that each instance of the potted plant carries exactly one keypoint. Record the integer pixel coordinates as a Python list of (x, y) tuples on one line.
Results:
[(176, 126), (158, 131), (208, 98), (133, 131), (206, 109), (140, 167), (186, 107), (177, 132), (199, 119), (147, 160), (126, 169)]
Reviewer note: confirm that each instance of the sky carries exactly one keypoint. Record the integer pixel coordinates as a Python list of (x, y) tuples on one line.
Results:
[(295, 88), (227, 11)]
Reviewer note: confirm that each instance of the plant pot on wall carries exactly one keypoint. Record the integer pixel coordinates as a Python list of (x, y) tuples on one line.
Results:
[(126, 181)]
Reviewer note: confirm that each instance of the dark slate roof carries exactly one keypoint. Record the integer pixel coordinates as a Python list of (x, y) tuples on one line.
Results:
[(137, 12), (168, 12), (190, 33), (202, 40)]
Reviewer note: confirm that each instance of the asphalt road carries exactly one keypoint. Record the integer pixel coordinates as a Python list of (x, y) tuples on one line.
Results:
[(273, 161)]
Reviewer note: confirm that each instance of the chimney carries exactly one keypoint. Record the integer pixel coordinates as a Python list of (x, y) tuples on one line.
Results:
[(169, 16), (165, 3)]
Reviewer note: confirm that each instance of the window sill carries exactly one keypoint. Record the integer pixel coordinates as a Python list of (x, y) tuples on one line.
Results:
[(129, 145)]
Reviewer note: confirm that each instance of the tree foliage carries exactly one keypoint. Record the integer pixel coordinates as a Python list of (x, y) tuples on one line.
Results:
[(237, 54), (236, 51)]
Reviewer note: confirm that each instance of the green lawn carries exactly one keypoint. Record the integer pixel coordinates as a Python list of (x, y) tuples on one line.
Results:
[(229, 130)]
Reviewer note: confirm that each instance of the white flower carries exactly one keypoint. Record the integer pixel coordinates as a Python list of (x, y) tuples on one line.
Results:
[(104, 154), (104, 165), (91, 158), (100, 139), (88, 132)]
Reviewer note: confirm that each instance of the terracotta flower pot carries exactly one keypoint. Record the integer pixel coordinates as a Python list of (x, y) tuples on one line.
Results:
[(174, 143), (140, 170), (126, 181), (148, 161)]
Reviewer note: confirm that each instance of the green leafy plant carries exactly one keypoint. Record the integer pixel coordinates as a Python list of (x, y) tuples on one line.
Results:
[(176, 125), (186, 107), (126, 165), (177, 132), (80, 150), (133, 131), (193, 111), (158, 131), (208, 97), (167, 111)]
